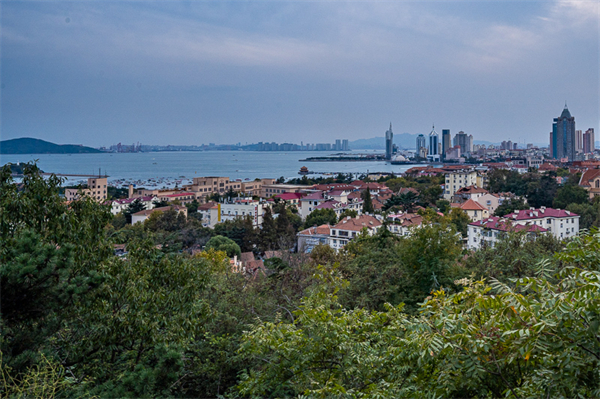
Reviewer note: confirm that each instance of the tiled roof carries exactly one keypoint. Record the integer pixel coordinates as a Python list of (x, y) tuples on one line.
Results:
[(147, 212), (207, 206), (497, 223), (588, 176), (323, 229), (547, 166), (329, 204), (471, 190), (405, 190), (471, 205), (407, 219), (357, 223), (289, 196), (313, 196), (130, 200), (530, 214)]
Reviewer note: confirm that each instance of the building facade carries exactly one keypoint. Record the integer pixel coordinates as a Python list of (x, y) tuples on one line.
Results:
[(389, 143), (433, 151), (446, 140), (563, 143), (96, 188)]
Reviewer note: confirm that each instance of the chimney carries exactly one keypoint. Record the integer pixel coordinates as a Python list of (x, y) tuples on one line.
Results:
[(130, 191)]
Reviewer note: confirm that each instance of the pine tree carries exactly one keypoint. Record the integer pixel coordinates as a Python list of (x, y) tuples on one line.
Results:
[(367, 201)]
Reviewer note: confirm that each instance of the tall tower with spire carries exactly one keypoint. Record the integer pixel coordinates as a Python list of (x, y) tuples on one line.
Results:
[(389, 143), (434, 140), (563, 143)]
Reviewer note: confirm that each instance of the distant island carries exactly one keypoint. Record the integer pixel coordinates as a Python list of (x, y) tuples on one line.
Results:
[(27, 145)]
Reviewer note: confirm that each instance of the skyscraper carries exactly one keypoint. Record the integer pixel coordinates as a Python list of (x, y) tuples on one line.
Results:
[(588, 141), (445, 141), (421, 146), (434, 140), (389, 145), (563, 136), (462, 140), (578, 141)]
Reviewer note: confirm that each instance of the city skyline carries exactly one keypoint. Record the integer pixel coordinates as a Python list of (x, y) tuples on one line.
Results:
[(178, 73)]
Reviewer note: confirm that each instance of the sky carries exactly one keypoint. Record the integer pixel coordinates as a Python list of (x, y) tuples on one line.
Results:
[(198, 72)]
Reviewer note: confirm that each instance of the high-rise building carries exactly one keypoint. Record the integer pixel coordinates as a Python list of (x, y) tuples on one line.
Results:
[(345, 145), (445, 141), (421, 146), (578, 141), (389, 143), (433, 151), (470, 143), (588, 141), (338, 145), (462, 140), (563, 136)]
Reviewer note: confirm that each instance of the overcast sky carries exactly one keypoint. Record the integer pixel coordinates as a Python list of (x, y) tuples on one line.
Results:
[(168, 72)]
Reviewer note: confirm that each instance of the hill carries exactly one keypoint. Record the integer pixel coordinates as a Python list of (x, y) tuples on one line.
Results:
[(27, 145)]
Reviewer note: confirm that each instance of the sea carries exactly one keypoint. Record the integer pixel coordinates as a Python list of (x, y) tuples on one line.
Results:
[(170, 169)]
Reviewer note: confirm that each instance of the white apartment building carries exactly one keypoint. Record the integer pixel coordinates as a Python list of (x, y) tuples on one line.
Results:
[(561, 223), (348, 228), (489, 231), (118, 206), (240, 208)]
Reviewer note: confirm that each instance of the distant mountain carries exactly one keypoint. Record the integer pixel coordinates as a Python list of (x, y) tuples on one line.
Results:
[(27, 145)]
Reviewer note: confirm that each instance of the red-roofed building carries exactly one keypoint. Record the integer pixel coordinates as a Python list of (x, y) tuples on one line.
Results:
[(313, 236), (348, 228), (118, 206), (590, 180), (141, 216), (291, 198), (402, 223), (561, 223), (474, 209), (489, 231)]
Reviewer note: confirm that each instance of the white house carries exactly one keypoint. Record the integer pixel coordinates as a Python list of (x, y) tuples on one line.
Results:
[(348, 228), (118, 206), (561, 223), (489, 231)]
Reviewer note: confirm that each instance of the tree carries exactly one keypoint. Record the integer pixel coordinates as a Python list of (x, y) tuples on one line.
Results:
[(348, 212), (220, 243), (135, 206), (319, 217), (513, 204), (268, 234), (405, 201), (443, 205), (431, 194), (570, 194), (460, 220), (589, 214), (50, 259), (367, 201)]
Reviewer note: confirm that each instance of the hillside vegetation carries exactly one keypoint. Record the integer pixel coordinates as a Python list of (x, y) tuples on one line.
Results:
[(28, 145)]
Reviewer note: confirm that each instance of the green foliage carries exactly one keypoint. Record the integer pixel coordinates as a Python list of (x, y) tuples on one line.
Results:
[(538, 337), (404, 202), (443, 205), (589, 214), (240, 230), (348, 212), (319, 217), (570, 194), (460, 220), (268, 234), (514, 204), (387, 269), (514, 255), (50, 254), (227, 245), (367, 201)]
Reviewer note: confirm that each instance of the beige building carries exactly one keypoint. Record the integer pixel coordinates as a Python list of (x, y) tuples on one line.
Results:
[(590, 180), (457, 180), (141, 216), (269, 190), (254, 188), (96, 188), (474, 209)]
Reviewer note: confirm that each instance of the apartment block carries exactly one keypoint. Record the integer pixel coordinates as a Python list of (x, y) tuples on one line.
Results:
[(96, 188)]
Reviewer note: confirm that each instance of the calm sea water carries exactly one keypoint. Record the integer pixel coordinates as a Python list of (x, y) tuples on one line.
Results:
[(167, 167)]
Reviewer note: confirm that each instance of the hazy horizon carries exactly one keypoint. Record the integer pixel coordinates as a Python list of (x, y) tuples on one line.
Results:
[(184, 73)]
